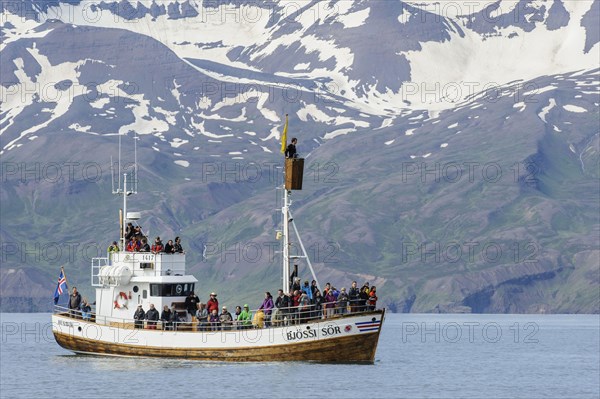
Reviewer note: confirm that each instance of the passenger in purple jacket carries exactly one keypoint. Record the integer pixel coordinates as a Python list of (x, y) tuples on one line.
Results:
[(329, 304), (267, 306), (214, 321)]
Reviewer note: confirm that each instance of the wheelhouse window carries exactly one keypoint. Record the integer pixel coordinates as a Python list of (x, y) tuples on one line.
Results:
[(175, 289)]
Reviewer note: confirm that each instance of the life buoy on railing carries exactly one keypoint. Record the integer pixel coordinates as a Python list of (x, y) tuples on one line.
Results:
[(121, 300)]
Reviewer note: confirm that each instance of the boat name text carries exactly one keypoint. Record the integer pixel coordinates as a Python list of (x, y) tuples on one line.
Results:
[(325, 332), (65, 323)]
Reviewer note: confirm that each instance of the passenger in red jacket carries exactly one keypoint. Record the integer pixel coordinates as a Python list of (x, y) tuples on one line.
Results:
[(134, 245), (158, 246), (372, 301), (130, 247), (212, 303)]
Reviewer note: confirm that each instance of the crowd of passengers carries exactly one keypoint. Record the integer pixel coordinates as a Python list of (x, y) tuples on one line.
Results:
[(306, 302), (136, 241)]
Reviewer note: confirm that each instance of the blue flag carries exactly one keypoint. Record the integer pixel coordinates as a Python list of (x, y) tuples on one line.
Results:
[(61, 286)]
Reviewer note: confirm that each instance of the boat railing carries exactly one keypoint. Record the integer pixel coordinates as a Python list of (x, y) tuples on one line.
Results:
[(258, 318), (74, 313)]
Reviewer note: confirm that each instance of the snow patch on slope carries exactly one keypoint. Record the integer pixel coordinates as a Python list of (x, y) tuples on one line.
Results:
[(547, 109), (338, 132), (355, 19), (574, 108), (182, 163)]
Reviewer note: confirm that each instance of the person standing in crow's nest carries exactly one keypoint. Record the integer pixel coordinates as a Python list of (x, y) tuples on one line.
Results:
[(290, 151)]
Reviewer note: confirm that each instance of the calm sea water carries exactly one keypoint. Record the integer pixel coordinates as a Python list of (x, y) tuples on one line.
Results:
[(419, 356)]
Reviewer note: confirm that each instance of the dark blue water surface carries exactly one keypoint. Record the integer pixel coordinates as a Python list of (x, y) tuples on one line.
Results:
[(419, 356)]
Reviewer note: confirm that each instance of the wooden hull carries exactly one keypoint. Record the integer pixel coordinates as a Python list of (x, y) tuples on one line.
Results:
[(357, 349), (347, 347)]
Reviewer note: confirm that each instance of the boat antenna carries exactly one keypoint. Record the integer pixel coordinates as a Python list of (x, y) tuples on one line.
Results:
[(118, 191), (125, 194), (119, 172), (112, 174), (112, 171), (123, 191), (135, 177)]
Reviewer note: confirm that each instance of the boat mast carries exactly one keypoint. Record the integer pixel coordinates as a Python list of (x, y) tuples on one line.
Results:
[(123, 218), (286, 240), (293, 171), (124, 209)]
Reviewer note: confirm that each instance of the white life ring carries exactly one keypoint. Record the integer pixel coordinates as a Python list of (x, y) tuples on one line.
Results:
[(121, 300)]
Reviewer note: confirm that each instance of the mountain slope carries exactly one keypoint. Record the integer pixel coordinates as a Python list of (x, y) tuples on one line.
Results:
[(437, 167)]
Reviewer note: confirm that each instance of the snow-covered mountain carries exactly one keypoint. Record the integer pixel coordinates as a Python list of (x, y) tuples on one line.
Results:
[(390, 82), (378, 57)]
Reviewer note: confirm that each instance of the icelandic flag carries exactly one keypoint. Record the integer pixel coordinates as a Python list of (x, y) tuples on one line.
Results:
[(61, 286)]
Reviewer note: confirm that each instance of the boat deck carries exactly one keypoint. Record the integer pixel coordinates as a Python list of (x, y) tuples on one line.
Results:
[(280, 319)]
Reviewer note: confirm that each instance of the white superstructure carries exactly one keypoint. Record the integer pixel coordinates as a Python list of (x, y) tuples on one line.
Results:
[(124, 279), (136, 278)]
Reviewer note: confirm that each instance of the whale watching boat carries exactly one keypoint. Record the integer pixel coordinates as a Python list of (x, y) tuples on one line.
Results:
[(124, 280)]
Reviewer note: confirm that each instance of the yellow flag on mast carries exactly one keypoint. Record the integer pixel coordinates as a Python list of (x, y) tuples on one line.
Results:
[(284, 135)]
